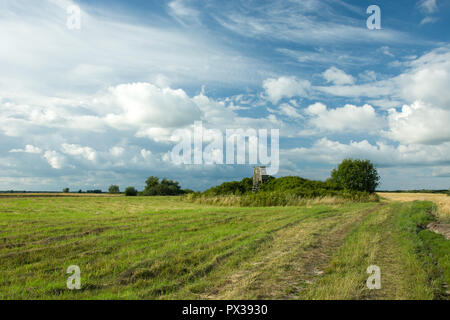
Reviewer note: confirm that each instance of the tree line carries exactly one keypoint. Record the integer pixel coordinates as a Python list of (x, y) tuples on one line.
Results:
[(153, 187)]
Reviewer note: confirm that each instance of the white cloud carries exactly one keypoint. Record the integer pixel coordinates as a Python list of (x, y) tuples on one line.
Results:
[(338, 76), (28, 149), (371, 90), (152, 110), (117, 151), (285, 87), (428, 6), (182, 12), (326, 57), (419, 123), (428, 79), (76, 150), (218, 114), (37, 37), (54, 159), (349, 118), (289, 111), (386, 51), (146, 153), (55, 89), (303, 22), (382, 154), (368, 75), (428, 19)]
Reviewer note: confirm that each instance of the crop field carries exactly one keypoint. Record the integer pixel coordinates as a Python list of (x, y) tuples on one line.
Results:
[(441, 200), (166, 248)]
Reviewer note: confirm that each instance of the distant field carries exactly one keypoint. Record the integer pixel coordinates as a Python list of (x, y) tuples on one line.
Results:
[(163, 248), (442, 200), (43, 194)]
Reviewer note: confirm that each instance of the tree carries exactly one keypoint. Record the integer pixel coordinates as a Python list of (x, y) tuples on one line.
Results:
[(151, 182), (165, 187), (359, 175), (131, 192), (114, 189), (66, 190), (151, 186)]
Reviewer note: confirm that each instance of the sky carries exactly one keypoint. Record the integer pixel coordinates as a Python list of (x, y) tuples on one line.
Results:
[(97, 105)]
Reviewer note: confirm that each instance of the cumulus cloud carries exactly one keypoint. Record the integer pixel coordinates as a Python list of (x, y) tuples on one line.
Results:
[(285, 87), (337, 76), (54, 159), (90, 133), (427, 80), (419, 123), (148, 107), (333, 152), (349, 118), (76, 150)]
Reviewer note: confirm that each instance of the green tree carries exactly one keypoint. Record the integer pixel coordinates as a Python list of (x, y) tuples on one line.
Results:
[(114, 189), (356, 174), (151, 186), (131, 192), (165, 187), (66, 190), (151, 182)]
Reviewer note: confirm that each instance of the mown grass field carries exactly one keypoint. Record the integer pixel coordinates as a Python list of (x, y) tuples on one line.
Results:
[(164, 248)]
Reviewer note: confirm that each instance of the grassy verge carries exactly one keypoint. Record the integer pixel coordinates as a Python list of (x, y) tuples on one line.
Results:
[(390, 239), (440, 249)]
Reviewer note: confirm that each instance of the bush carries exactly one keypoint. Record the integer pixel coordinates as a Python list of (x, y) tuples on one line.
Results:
[(94, 191), (131, 192), (66, 190), (113, 189), (270, 199), (358, 175), (232, 188)]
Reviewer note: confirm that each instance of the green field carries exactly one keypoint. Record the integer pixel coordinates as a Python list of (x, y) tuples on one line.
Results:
[(164, 248)]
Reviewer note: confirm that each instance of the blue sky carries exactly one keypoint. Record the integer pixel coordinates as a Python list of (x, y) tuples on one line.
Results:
[(90, 107)]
